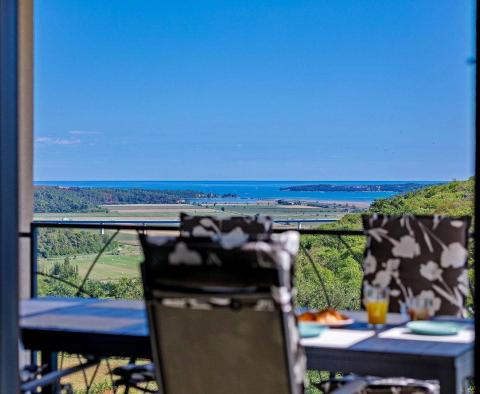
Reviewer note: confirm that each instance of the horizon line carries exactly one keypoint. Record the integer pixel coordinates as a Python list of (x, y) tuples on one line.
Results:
[(250, 180)]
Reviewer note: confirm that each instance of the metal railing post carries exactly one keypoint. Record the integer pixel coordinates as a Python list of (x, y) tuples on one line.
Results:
[(33, 260)]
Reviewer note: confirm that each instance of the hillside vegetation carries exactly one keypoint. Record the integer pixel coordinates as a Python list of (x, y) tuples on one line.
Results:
[(451, 199), (81, 199), (66, 242), (341, 263)]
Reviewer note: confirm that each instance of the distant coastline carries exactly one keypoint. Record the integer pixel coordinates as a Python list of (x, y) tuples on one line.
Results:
[(254, 191), (380, 187)]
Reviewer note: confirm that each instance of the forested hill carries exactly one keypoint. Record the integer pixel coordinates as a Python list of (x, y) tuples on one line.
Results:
[(76, 199), (341, 266), (451, 199)]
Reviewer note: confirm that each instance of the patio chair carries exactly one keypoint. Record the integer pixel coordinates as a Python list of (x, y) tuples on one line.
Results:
[(414, 256), (134, 376), (231, 231), (419, 256), (231, 226), (375, 385), (34, 377), (221, 320)]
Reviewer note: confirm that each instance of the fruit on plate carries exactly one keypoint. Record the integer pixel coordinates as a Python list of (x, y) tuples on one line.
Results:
[(326, 316), (308, 316), (330, 316)]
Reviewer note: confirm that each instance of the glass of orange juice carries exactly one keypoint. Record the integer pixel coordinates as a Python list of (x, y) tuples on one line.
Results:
[(376, 304), (419, 308)]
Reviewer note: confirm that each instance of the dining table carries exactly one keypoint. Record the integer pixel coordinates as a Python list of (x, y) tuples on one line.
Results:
[(119, 328)]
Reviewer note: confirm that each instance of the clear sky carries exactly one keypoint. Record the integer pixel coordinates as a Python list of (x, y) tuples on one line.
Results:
[(284, 89)]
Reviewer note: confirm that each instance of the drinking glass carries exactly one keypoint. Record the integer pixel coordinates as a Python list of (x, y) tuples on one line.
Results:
[(419, 308), (376, 304)]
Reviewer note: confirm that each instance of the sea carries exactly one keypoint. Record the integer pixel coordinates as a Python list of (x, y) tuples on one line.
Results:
[(246, 191)]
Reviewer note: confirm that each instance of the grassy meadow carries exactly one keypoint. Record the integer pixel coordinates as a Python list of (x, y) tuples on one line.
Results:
[(124, 260)]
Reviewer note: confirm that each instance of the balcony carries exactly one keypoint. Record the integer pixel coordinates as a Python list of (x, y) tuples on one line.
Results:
[(112, 327), (98, 322)]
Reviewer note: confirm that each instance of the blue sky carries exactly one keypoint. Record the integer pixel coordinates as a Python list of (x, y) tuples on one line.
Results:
[(300, 90)]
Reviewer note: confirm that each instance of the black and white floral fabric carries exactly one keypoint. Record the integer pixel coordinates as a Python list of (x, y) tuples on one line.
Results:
[(207, 263), (423, 257), (233, 230), (277, 250)]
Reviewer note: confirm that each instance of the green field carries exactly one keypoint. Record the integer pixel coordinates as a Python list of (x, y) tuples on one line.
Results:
[(109, 266), (124, 260)]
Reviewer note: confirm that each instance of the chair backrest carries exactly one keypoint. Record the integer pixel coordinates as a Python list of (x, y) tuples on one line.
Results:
[(235, 226), (419, 256), (222, 320)]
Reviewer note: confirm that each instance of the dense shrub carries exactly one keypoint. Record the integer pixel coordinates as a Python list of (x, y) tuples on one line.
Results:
[(66, 242)]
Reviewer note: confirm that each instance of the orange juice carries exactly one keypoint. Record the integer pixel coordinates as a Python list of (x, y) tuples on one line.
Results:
[(377, 311)]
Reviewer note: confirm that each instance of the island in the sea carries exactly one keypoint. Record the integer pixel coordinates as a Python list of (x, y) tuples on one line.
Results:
[(380, 187)]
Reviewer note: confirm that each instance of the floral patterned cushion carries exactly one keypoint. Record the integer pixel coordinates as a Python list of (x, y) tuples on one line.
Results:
[(206, 263), (423, 256), (191, 252), (235, 226)]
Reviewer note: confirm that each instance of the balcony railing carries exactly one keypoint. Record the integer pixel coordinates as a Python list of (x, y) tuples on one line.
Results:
[(156, 226), (111, 229), (169, 226)]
